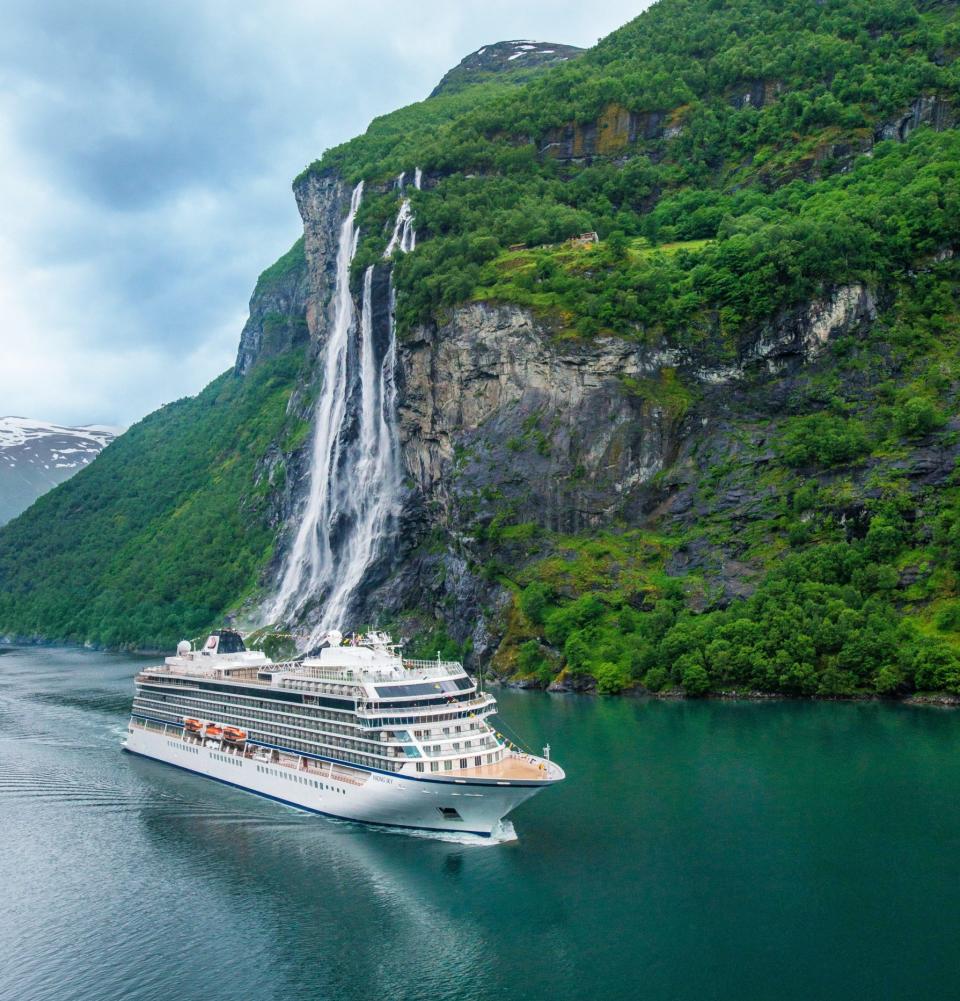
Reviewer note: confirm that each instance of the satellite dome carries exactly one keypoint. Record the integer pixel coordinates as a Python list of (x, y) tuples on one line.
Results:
[(183, 648)]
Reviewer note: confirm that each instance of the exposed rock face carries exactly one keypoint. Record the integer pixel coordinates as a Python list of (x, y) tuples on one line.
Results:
[(618, 128), (277, 320), (502, 421), (492, 399), (805, 333), (615, 129), (290, 304), (927, 109), (493, 373), (323, 200)]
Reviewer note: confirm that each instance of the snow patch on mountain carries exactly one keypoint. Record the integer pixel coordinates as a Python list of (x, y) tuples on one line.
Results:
[(37, 455), (516, 56)]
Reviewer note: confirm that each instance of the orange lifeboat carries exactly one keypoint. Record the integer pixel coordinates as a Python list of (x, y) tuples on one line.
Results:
[(214, 731), (193, 725), (234, 735)]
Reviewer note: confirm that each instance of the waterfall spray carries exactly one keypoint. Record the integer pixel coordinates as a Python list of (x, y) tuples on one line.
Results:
[(404, 235), (368, 491), (310, 560), (353, 504)]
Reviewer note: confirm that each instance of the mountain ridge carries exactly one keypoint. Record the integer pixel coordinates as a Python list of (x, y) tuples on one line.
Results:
[(37, 455), (730, 236), (517, 57)]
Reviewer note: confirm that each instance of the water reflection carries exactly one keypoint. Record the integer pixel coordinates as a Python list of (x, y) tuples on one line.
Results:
[(708, 850)]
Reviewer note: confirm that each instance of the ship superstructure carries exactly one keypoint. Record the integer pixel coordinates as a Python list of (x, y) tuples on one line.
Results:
[(357, 732)]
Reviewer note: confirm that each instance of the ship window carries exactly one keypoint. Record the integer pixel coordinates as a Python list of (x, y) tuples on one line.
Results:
[(434, 766), (419, 766), (463, 762), (449, 813)]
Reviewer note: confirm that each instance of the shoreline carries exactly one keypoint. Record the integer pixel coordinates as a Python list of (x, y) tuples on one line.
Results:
[(941, 700), (9, 642), (938, 700)]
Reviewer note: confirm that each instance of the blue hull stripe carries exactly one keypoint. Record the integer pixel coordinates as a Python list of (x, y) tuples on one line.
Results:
[(299, 806)]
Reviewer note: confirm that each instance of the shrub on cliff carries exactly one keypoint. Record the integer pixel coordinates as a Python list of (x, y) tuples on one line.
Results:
[(917, 416), (822, 439)]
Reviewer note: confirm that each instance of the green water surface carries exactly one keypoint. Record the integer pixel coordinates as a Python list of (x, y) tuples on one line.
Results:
[(697, 850)]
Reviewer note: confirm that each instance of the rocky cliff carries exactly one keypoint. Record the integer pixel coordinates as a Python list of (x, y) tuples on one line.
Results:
[(675, 360), (514, 433)]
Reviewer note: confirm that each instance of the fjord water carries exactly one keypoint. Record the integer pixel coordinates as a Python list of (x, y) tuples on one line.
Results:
[(707, 850)]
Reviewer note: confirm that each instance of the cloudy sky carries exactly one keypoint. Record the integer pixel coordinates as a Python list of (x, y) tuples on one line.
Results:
[(148, 150)]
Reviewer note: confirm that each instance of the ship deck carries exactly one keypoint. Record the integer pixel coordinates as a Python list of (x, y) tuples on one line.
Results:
[(514, 768)]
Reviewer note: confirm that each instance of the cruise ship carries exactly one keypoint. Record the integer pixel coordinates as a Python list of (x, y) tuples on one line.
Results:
[(357, 732)]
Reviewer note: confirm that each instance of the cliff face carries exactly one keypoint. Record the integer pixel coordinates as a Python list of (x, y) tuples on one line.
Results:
[(289, 305), (509, 428), (577, 428), (505, 424), (492, 398), (323, 201)]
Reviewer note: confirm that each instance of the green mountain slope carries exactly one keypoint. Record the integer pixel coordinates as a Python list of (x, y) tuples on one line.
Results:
[(750, 168), (166, 530)]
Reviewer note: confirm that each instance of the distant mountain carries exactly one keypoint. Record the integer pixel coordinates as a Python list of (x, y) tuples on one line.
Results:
[(37, 455), (514, 59), (668, 380)]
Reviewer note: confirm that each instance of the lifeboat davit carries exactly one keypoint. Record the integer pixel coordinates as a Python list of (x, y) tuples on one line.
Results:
[(234, 735)]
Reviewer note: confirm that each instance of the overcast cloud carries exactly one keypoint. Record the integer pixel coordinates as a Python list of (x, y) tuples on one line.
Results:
[(148, 150)]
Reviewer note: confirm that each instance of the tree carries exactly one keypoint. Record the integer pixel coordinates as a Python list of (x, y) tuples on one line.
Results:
[(917, 417), (534, 601), (694, 677)]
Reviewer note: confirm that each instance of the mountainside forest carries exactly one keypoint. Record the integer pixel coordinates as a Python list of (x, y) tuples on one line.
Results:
[(713, 449)]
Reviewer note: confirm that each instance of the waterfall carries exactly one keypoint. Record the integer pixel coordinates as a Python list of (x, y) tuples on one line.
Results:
[(310, 562), (369, 484), (353, 504), (404, 235)]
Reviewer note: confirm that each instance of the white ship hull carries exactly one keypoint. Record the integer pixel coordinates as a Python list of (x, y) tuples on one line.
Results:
[(343, 791)]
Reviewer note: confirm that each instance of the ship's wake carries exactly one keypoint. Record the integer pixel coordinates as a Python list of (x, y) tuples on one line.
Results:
[(503, 834)]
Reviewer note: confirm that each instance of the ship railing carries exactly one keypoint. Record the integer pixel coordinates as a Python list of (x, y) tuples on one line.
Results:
[(434, 668), (336, 675), (423, 669), (368, 709), (183, 671), (451, 752)]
